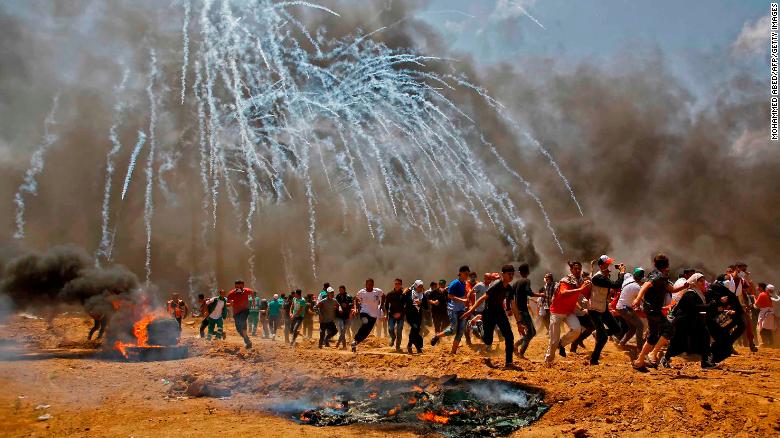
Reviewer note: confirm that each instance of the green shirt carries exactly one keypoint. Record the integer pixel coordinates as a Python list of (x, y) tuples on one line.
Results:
[(298, 307), (254, 305), (274, 307)]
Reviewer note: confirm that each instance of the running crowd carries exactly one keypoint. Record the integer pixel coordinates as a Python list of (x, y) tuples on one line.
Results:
[(647, 314)]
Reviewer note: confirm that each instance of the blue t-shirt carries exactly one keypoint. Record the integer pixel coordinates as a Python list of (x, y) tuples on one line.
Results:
[(457, 289)]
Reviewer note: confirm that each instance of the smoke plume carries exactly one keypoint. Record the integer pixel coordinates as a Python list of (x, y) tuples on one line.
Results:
[(650, 168)]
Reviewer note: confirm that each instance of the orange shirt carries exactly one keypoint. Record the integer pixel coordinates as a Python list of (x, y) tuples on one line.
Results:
[(763, 301), (564, 304)]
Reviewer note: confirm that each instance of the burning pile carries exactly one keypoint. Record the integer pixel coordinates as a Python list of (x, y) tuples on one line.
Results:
[(156, 335), (449, 406)]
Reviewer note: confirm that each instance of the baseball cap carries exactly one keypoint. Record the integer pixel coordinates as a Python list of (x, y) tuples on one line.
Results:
[(442, 281), (604, 259), (639, 272), (329, 289)]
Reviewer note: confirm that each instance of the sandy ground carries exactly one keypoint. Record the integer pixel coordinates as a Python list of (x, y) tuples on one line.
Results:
[(90, 396)]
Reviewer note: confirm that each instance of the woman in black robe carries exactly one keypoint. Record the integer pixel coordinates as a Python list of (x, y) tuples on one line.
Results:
[(690, 324)]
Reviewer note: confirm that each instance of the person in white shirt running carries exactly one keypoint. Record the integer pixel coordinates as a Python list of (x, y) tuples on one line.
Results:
[(367, 304)]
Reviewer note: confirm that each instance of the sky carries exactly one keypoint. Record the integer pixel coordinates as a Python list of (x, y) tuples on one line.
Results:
[(496, 29)]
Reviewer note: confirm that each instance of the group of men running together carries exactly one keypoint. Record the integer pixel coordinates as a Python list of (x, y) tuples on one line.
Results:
[(690, 315)]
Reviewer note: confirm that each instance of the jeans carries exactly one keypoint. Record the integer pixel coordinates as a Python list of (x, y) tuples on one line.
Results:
[(456, 324), (606, 326), (203, 325), (635, 327), (556, 320), (395, 328), (491, 320), (530, 332), (343, 325), (367, 323), (381, 328), (264, 323), (296, 328)]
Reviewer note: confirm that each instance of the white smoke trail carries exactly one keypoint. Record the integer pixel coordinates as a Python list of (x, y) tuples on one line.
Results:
[(185, 48), (30, 184), (116, 146), (148, 201), (133, 158)]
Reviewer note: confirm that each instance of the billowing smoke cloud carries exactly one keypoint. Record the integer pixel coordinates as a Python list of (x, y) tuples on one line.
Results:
[(65, 275), (650, 172)]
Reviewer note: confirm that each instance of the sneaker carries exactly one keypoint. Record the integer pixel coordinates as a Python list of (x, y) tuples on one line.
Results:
[(753, 348), (354, 346), (664, 362), (419, 351), (562, 351), (593, 361), (248, 345), (641, 369), (408, 349), (392, 341), (434, 341), (707, 365)]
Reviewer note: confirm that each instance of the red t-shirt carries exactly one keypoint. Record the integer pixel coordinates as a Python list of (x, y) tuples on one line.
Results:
[(240, 300), (564, 304), (763, 300)]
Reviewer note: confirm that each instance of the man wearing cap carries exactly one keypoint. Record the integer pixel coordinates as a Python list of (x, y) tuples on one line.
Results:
[(238, 298), (414, 303), (598, 310), (564, 302), (628, 293), (494, 313)]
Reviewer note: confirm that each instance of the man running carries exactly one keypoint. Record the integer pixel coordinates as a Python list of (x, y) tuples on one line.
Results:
[(254, 313), (414, 302), (177, 308), (297, 314), (204, 313), (217, 311), (367, 304), (653, 296), (328, 309), (342, 319), (393, 307), (494, 313), (598, 311), (274, 312), (562, 310), (522, 291), (456, 306), (238, 298)]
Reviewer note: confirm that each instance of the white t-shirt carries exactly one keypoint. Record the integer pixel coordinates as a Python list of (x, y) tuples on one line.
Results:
[(628, 292), (479, 289), (217, 312), (369, 301)]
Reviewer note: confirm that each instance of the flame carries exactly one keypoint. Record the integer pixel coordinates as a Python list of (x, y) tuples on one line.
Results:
[(140, 330), (304, 418), (394, 411), (412, 401), (432, 417), (417, 388), (372, 395), (120, 347), (453, 412)]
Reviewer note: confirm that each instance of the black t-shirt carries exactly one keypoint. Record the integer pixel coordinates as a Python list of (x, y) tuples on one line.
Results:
[(655, 297), (521, 292), (440, 296), (497, 294), (345, 301)]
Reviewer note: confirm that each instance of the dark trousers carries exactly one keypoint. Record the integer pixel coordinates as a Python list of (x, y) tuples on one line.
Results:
[(203, 325), (273, 324), (530, 331), (606, 326), (415, 338), (240, 319), (327, 331), (491, 320), (287, 327), (587, 330), (100, 326), (367, 325), (690, 335), (295, 329), (440, 321)]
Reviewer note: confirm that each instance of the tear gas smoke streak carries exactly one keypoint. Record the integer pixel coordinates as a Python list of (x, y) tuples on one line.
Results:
[(133, 158), (185, 40), (148, 201), (30, 184), (116, 146)]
